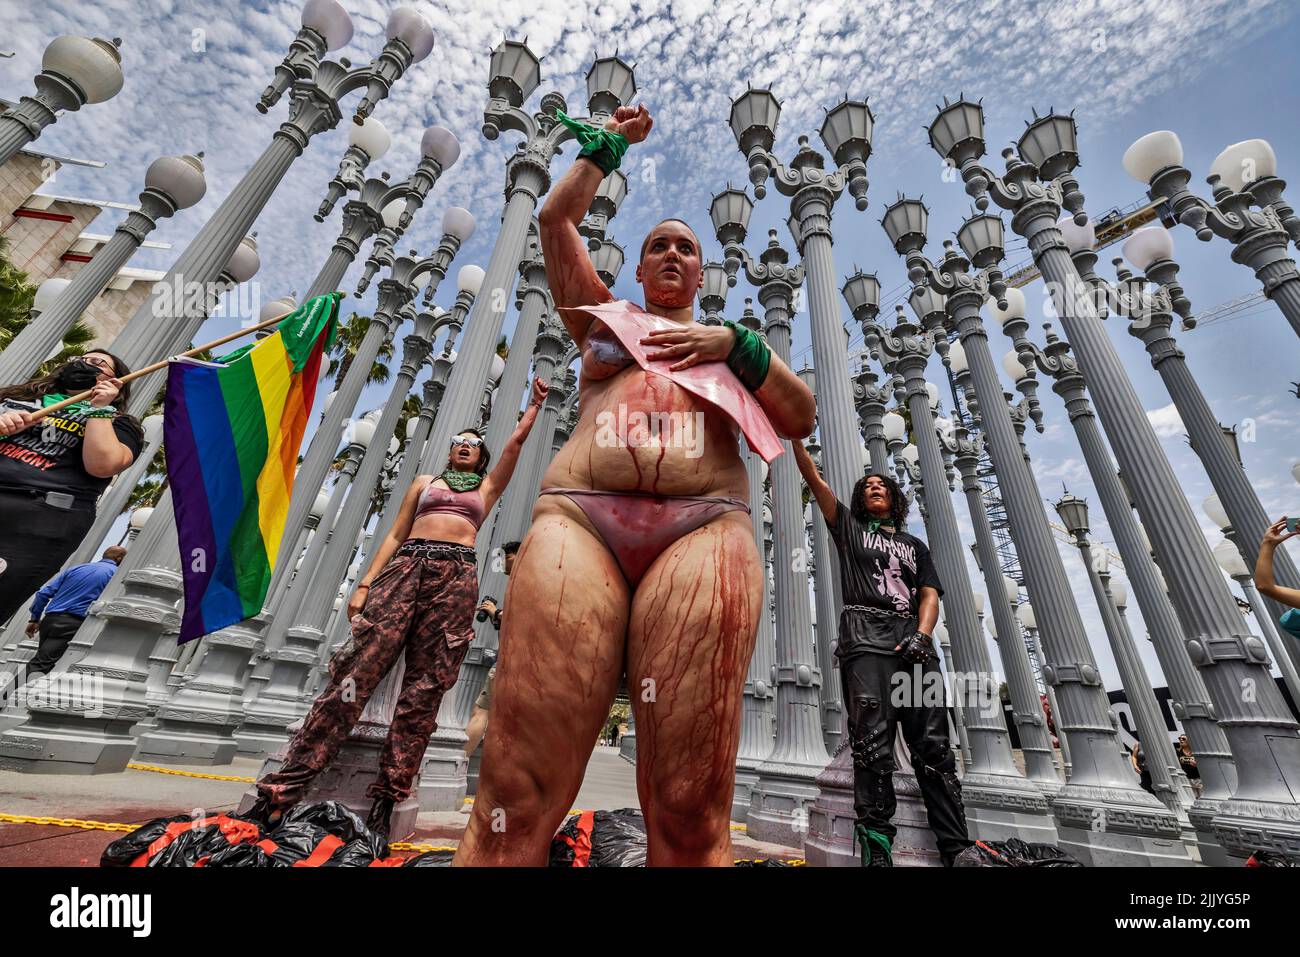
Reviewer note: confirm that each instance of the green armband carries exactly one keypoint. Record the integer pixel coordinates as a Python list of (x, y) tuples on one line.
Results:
[(605, 148), (750, 356)]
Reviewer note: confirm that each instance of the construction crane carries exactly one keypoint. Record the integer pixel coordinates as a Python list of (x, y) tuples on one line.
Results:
[(1112, 226)]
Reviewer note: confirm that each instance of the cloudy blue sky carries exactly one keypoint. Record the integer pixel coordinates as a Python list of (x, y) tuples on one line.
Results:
[(1215, 71)]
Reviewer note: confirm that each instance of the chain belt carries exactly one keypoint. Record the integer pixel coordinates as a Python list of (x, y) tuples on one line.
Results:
[(430, 548)]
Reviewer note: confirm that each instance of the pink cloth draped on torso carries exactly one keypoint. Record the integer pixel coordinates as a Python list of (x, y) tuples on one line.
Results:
[(712, 381)]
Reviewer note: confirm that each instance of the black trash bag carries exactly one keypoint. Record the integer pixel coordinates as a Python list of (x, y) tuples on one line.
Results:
[(1013, 853), (123, 851), (601, 839), (184, 840), (331, 816), (283, 847), (362, 852), (240, 855), (1271, 859), (431, 859), (764, 862)]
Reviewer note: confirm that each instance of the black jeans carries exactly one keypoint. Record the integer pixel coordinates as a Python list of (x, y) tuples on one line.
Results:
[(35, 540), (877, 703), (56, 630)]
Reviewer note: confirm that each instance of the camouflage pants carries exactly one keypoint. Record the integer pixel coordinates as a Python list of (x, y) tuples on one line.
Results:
[(422, 602)]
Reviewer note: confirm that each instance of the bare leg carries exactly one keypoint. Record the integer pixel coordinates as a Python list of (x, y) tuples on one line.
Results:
[(557, 673), (474, 730), (691, 634)]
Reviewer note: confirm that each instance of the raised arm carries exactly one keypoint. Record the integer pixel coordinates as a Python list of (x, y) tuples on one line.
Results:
[(570, 273), (499, 477), (1275, 535), (816, 484)]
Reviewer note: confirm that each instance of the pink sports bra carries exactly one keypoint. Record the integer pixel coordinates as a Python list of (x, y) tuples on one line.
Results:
[(468, 505)]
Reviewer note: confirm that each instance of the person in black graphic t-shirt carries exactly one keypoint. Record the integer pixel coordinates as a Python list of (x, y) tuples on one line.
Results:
[(52, 470), (888, 667)]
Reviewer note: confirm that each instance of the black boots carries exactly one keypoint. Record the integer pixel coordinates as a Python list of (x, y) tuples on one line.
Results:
[(380, 812), (264, 814), (876, 847)]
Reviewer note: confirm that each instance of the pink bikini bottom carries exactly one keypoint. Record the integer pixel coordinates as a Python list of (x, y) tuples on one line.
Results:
[(637, 526)]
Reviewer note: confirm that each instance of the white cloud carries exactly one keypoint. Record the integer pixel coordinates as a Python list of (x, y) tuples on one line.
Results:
[(1166, 422)]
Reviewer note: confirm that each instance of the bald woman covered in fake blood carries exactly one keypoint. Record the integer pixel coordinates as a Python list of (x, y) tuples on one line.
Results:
[(641, 555)]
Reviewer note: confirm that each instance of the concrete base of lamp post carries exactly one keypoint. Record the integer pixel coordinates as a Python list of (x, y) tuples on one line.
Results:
[(831, 819), (781, 803), (742, 797), (284, 700), (627, 748), (95, 736), (1000, 807), (443, 781), (198, 722), (471, 772), (353, 770), (1107, 827)]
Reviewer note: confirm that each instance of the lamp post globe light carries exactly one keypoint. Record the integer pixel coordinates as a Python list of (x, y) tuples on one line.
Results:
[(1263, 811), (1248, 208), (1102, 784), (315, 85), (1000, 802), (1148, 302), (171, 183), (75, 71)]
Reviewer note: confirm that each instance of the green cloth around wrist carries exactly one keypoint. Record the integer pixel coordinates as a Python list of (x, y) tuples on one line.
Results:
[(750, 357), (605, 148)]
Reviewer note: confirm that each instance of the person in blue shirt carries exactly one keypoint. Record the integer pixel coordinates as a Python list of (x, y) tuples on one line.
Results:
[(60, 607), (1278, 533)]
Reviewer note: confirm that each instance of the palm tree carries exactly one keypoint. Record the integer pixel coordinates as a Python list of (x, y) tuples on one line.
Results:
[(16, 296), (345, 347)]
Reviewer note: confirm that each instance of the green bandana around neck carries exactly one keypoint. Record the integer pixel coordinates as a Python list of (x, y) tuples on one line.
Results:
[(461, 481)]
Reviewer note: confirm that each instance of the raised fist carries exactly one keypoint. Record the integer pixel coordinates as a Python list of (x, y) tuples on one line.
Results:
[(634, 122)]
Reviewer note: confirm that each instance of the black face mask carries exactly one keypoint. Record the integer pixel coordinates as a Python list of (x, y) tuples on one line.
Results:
[(78, 376)]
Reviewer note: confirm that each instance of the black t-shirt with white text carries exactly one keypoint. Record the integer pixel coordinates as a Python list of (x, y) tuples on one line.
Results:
[(47, 456), (879, 569)]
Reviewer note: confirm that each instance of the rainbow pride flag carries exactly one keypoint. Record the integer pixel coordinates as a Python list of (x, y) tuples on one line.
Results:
[(232, 429)]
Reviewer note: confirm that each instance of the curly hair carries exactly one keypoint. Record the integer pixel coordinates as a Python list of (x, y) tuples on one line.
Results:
[(484, 455), (897, 500)]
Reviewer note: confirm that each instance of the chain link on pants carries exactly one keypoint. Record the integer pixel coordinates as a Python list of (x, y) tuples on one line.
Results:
[(881, 694), (422, 602)]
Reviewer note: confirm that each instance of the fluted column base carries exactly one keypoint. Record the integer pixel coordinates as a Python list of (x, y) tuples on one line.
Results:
[(1201, 814), (831, 818), (85, 725), (1003, 806), (627, 748), (444, 772), (746, 783), (354, 768), (1242, 827), (1117, 827), (198, 721), (283, 701)]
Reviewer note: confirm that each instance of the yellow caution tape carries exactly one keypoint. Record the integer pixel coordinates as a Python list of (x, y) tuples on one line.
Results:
[(406, 846), (190, 774)]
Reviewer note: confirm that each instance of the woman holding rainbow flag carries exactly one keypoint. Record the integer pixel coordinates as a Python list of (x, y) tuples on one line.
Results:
[(418, 595)]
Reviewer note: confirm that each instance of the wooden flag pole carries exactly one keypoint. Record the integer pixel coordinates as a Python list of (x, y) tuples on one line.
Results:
[(40, 414)]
